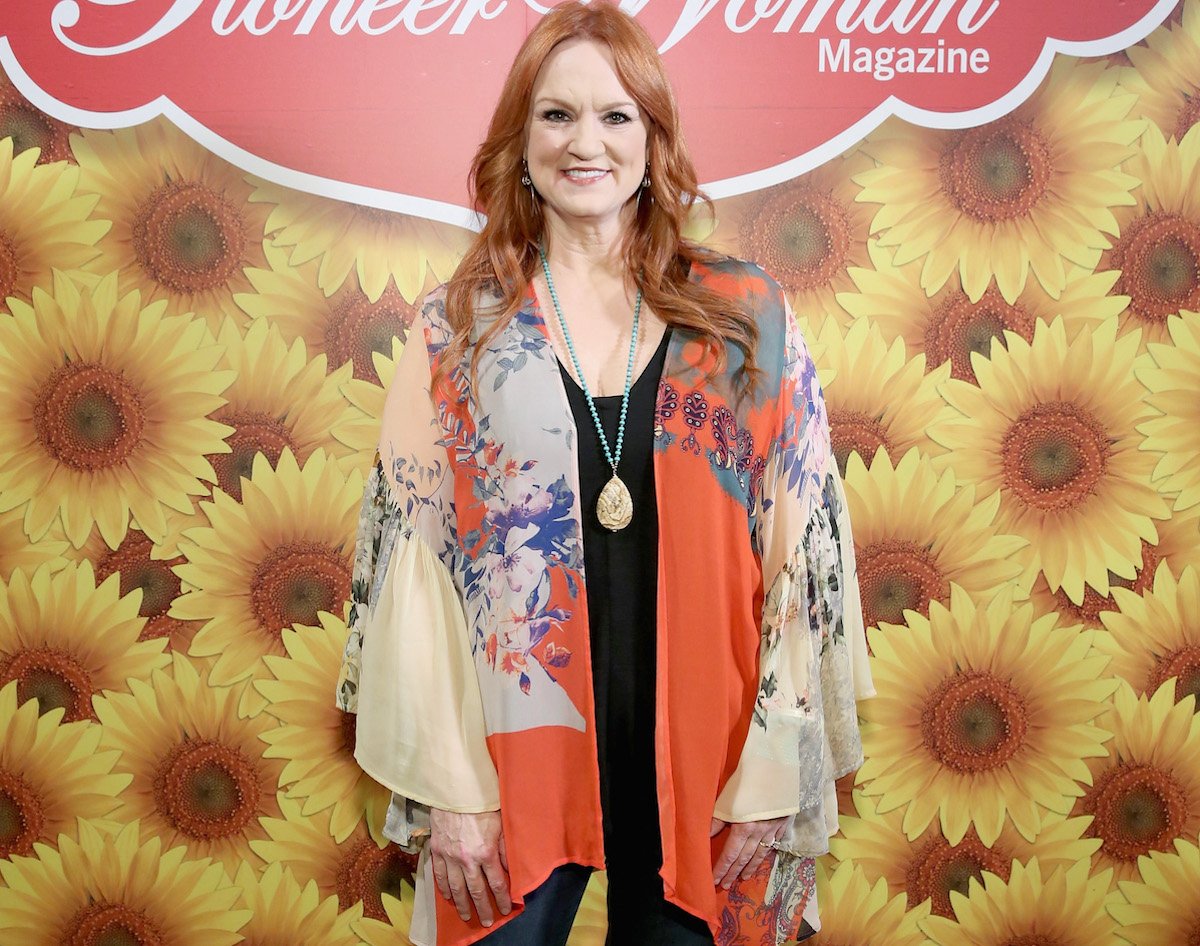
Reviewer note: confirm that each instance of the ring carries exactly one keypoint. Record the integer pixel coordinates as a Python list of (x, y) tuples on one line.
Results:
[(766, 843)]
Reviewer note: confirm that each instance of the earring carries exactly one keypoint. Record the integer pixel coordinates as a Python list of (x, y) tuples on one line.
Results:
[(526, 180), (646, 179)]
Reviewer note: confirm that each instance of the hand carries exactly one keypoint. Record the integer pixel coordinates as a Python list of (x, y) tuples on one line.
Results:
[(745, 848), (469, 859)]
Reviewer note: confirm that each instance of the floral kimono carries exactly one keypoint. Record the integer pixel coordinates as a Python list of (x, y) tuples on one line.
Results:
[(468, 657)]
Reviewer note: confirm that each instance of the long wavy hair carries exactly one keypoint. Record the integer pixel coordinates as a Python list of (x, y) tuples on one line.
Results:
[(503, 256)]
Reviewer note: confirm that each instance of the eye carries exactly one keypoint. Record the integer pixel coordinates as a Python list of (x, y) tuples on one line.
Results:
[(555, 115), (618, 118)]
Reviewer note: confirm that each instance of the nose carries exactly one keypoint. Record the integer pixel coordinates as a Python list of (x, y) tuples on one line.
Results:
[(586, 142)]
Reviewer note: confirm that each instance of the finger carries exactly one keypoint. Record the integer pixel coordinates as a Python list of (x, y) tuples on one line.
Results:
[(740, 849), (477, 888), (729, 853), (497, 880), (458, 887), (503, 854), (761, 850), (439, 875)]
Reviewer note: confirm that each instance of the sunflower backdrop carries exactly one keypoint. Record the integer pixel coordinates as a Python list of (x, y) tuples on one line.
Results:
[(1007, 320)]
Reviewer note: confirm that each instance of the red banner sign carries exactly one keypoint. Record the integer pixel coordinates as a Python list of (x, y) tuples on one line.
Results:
[(383, 101)]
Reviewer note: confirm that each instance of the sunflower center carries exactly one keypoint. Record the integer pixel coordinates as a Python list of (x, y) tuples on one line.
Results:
[(1054, 456), (158, 583), (254, 432), (52, 677), (10, 267), (855, 432), (207, 790), (1137, 808), (189, 237), (22, 816), (357, 328), (296, 581), (803, 236), (111, 924), (1189, 113), (88, 417), (1184, 665), (973, 721), (366, 873), (27, 127), (997, 171), (349, 727), (939, 868), (958, 327), (1033, 939), (1159, 258), (897, 576)]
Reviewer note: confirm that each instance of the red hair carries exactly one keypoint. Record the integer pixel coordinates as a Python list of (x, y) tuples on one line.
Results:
[(504, 254)]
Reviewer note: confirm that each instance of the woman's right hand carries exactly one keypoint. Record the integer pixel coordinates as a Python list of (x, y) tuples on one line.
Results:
[(468, 859)]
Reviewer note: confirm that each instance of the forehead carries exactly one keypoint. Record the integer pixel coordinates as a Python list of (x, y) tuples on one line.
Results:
[(581, 69)]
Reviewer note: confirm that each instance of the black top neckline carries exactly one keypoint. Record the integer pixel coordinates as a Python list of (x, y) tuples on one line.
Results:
[(606, 399)]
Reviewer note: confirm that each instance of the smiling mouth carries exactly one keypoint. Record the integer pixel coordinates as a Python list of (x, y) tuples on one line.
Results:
[(584, 174)]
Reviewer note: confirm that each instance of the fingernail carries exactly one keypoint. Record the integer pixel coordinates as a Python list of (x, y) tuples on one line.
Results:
[(726, 885), (487, 922)]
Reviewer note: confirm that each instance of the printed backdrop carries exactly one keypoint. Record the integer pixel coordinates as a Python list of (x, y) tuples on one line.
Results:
[(1007, 320)]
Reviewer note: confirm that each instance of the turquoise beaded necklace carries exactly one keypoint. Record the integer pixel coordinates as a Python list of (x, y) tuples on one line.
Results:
[(614, 508)]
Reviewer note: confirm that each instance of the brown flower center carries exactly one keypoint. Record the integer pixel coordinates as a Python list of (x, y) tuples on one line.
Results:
[(1137, 808), (349, 727), (1184, 665), (30, 128), (938, 868), (1088, 611), (366, 872), (158, 583), (1159, 258), (189, 237), (997, 171), (88, 417), (357, 328), (958, 327), (974, 721), (1189, 113), (897, 576), (10, 269), (801, 235), (111, 924), (52, 677), (1054, 456), (254, 432), (207, 790), (1034, 939), (22, 815), (296, 581), (855, 432)]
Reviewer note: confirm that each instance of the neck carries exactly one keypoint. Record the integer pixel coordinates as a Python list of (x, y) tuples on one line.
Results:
[(585, 249)]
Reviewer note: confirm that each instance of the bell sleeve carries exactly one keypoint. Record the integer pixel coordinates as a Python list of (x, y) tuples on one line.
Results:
[(813, 654), (407, 671)]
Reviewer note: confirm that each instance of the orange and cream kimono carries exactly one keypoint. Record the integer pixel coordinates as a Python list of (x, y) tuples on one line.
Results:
[(468, 656)]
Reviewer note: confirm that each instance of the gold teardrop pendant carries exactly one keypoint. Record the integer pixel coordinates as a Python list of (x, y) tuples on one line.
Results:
[(614, 508)]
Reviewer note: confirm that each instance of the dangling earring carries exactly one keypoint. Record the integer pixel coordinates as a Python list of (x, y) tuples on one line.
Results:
[(646, 178), (645, 187), (527, 181)]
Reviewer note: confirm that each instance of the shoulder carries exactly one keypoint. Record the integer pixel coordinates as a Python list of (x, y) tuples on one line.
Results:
[(739, 279)]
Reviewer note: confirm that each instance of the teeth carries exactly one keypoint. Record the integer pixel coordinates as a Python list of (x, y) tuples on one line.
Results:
[(586, 175)]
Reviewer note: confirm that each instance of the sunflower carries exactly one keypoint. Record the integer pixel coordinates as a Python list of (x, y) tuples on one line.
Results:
[(1175, 432), (51, 774), (377, 244), (137, 564), (364, 868), (854, 910), (1165, 74), (876, 398), (1153, 637), (1053, 427), (64, 638), (591, 920), (31, 128), (45, 224), (183, 224), (345, 327), (276, 559), (314, 736), (1146, 792), (389, 929), (1163, 909), (283, 912), (16, 551), (200, 777), (949, 327), (105, 408), (1158, 250), (982, 712), (1066, 908), (929, 868), (361, 433), (280, 400), (805, 233), (916, 531), (1029, 191), (110, 888)]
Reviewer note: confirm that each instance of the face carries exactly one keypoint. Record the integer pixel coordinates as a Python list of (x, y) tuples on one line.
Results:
[(586, 140)]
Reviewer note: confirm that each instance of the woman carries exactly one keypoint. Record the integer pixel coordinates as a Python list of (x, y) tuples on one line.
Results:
[(604, 609)]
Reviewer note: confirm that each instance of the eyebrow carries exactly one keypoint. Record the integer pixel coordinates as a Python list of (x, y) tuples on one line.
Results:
[(551, 100)]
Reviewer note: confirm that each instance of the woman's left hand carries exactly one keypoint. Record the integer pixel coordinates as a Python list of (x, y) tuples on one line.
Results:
[(745, 848)]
